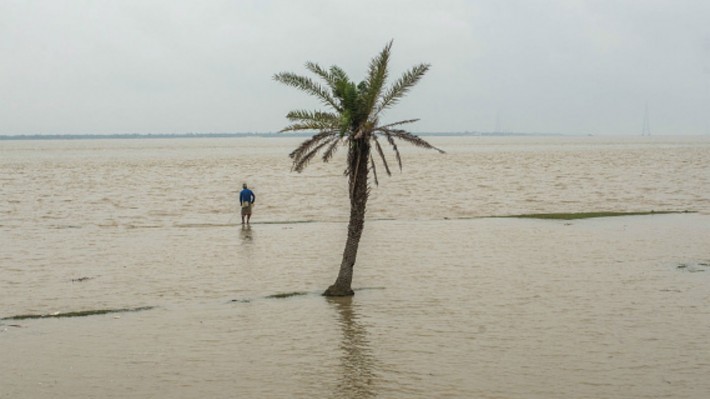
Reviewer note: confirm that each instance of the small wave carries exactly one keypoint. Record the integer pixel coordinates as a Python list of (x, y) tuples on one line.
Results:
[(144, 226), (82, 279), (66, 226)]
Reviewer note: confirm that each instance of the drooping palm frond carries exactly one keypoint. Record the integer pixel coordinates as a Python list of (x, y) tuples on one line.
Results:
[(390, 140), (309, 143), (411, 138), (309, 86), (305, 146), (330, 151), (374, 171), (400, 88), (389, 125), (382, 155), (299, 163)]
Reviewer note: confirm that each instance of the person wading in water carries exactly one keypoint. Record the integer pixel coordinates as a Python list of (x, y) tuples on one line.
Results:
[(246, 200)]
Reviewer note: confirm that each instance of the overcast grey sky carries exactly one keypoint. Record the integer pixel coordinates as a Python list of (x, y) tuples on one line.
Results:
[(174, 66)]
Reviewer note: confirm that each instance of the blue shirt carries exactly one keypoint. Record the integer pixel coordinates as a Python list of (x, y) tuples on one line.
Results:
[(247, 195)]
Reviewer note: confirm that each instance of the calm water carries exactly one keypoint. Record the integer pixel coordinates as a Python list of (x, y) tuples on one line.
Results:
[(448, 304)]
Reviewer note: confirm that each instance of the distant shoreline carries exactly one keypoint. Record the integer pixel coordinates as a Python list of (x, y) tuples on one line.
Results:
[(225, 135)]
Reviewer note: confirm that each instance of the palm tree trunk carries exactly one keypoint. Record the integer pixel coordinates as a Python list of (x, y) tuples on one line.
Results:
[(358, 163)]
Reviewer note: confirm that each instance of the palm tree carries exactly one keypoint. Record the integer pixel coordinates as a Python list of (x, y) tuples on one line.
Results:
[(352, 120)]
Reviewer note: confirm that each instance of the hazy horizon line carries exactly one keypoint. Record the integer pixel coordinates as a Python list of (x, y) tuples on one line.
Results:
[(88, 136)]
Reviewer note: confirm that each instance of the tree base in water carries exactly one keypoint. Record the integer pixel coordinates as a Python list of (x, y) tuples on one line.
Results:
[(338, 291)]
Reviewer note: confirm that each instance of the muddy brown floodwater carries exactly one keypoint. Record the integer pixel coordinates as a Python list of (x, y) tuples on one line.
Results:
[(449, 303)]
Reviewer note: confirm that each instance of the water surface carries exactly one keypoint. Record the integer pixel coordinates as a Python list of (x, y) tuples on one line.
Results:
[(448, 303)]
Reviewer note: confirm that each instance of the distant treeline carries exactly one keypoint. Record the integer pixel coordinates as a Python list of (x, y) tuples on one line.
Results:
[(130, 136), (224, 135)]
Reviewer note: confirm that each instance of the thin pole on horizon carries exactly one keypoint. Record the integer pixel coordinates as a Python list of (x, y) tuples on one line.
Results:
[(646, 129)]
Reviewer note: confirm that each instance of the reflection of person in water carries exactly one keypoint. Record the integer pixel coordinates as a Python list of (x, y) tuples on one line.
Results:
[(356, 361), (246, 234)]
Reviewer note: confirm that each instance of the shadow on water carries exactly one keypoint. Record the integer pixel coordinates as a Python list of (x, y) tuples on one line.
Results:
[(357, 364)]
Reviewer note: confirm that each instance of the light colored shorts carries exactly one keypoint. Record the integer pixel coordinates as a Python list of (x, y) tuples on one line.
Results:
[(246, 208)]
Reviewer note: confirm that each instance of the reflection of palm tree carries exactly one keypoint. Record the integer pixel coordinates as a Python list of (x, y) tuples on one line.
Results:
[(356, 362)]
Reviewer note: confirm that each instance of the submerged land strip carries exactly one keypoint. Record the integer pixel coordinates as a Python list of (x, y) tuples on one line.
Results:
[(82, 313), (550, 216), (588, 215), (97, 312)]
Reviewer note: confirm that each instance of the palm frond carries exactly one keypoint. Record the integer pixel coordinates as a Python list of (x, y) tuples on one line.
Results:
[(331, 77), (410, 138), (374, 170), (347, 92), (400, 88), (382, 155), (312, 120), (390, 140), (301, 162), (389, 125), (304, 115), (338, 74), (318, 70), (330, 151), (305, 146), (377, 76), (295, 127), (308, 85)]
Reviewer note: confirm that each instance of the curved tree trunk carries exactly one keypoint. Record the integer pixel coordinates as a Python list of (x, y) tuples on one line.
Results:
[(358, 164)]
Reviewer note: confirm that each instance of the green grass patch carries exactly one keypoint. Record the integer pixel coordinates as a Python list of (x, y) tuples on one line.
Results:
[(587, 215), (82, 313)]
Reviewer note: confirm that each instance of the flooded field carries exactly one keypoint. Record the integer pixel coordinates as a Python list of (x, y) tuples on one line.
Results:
[(450, 302)]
